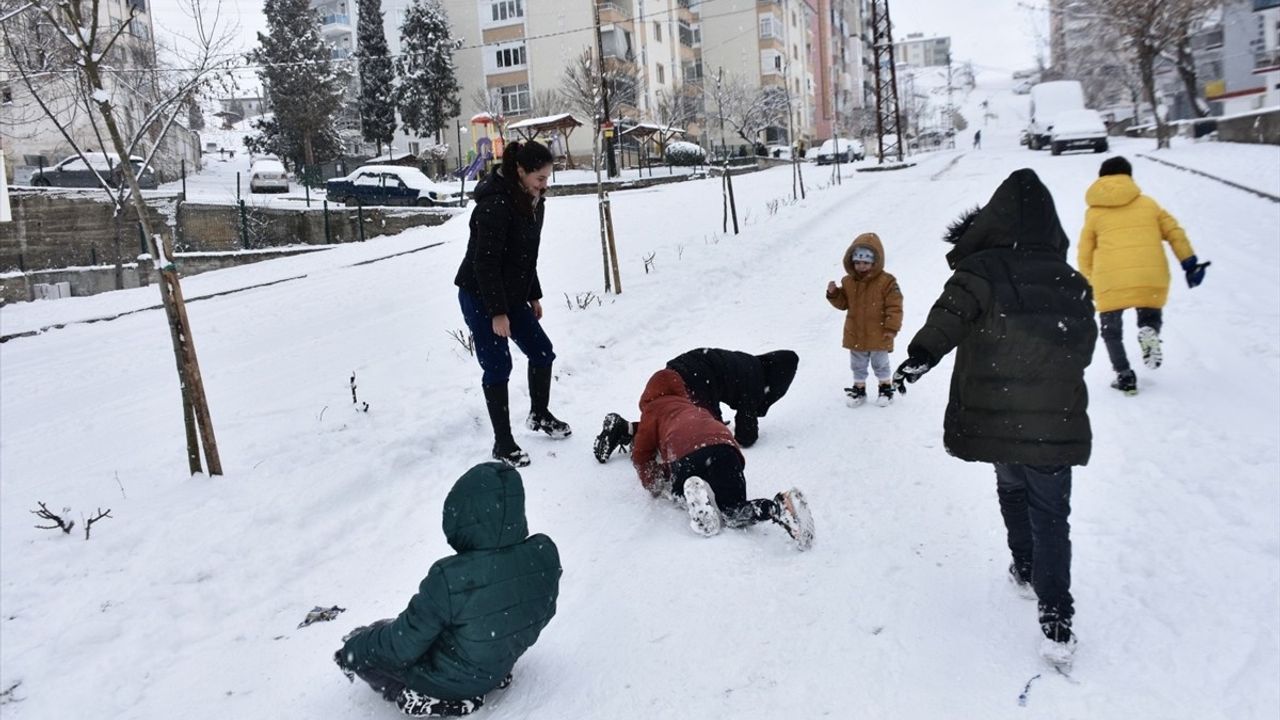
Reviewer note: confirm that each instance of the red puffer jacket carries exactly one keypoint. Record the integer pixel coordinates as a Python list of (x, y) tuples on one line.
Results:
[(671, 426)]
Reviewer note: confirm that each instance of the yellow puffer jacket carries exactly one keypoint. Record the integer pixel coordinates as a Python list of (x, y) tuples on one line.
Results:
[(1121, 251)]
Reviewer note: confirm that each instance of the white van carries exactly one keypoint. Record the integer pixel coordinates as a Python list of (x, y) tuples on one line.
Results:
[(1048, 100)]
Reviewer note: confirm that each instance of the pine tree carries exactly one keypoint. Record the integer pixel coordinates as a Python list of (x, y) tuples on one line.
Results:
[(428, 94), (377, 77), (304, 87)]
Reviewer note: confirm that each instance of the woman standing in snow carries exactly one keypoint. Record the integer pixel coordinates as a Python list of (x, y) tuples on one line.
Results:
[(500, 295), (1121, 253)]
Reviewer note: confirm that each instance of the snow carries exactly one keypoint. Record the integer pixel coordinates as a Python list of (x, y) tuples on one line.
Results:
[(189, 595), (101, 96), (1255, 166)]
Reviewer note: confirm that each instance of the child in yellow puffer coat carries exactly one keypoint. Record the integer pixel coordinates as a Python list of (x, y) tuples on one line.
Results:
[(1121, 253)]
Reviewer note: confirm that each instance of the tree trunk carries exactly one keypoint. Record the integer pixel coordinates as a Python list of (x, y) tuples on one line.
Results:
[(308, 154), (195, 408), (1146, 68), (1187, 70)]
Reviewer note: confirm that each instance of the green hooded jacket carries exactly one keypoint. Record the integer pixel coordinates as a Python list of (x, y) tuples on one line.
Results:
[(478, 611)]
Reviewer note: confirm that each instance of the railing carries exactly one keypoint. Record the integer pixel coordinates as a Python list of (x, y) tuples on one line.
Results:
[(1265, 59), (613, 7), (335, 20)]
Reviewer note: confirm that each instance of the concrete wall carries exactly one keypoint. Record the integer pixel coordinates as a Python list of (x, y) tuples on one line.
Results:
[(60, 229), (1261, 127)]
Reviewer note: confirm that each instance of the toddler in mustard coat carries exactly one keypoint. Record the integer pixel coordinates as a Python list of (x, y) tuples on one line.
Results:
[(1121, 253), (873, 316)]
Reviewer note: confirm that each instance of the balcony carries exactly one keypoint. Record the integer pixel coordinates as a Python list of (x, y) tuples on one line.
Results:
[(339, 53), (614, 12), (327, 20), (1266, 60)]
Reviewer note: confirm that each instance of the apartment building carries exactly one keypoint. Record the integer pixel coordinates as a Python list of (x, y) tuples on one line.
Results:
[(920, 51), (842, 65), (1266, 49), (31, 139)]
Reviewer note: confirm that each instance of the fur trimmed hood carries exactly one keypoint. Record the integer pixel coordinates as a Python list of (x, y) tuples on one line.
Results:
[(1020, 215)]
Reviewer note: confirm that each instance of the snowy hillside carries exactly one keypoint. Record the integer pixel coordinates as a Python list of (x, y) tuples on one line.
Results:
[(185, 603)]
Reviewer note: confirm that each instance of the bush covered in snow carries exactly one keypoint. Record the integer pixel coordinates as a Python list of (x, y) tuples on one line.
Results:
[(685, 153)]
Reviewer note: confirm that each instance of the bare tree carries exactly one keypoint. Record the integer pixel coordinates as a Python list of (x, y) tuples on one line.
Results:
[(748, 111), (580, 85), (78, 50), (548, 102), (487, 100)]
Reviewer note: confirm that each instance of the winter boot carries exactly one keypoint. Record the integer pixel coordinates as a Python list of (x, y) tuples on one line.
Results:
[(700, 501), (540, 418), (886, 395), (1020, 576), (1149, 341), (415, 704), (1126, 382), (857, 395), (793, 515), (504, 446), (1059, 645), (615, 435)]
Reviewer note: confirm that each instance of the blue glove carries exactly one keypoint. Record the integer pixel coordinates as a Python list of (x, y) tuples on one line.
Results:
[(1194, 271), (908, 372)]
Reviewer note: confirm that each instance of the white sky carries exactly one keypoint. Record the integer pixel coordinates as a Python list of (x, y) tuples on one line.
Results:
[(994, 34)]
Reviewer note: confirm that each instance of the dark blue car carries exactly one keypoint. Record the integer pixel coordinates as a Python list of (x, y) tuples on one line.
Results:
[(390, 185)]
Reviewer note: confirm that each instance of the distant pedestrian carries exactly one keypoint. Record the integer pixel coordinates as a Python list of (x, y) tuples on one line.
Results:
[(1122, 255), (1021, 322), (475, 613), (500, 295), (977, 140), (873, 316)]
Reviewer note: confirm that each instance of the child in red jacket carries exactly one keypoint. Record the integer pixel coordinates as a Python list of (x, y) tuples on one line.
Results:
[(681, 451)]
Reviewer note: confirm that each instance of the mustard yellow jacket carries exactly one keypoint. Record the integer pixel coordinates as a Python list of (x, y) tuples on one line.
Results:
[(1120, 250)]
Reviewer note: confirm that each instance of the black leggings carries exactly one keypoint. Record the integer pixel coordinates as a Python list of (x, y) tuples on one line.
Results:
[(1112, 331), (721, 467)]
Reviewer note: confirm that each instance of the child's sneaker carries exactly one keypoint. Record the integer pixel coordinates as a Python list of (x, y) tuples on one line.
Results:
[(546, 422), (1059, 645), (886, 395), (857, 395), (700, 501), (615, 434), (793, 515), (1021, 579), (415, 704), (1149, 341), (1126, 382)]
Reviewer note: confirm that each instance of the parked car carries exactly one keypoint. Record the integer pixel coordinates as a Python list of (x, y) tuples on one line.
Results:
[(1077, 129), (74, 171), (391, 185), (840, 150), (268, 175)]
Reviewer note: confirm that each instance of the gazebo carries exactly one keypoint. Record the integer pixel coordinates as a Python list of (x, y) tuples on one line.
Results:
[(533, 128), (644, 132)]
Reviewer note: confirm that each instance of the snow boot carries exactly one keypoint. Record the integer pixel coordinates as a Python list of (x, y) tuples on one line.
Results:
[(1149, 341), (415, 704), (886, 395), (1020, 576), (1059, 645), (1126, 382), (505, 448), (540, 418), (615, 435), (793, 515), (857, 395), (700, 501)]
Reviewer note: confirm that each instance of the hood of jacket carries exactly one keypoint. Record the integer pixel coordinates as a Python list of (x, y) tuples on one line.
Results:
[(1112, 191), (485, 509), (872, 242), (664, 383), (1020, 215), (779, 370)]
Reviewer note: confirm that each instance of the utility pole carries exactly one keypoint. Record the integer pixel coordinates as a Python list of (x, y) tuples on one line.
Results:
[(888, 115), (612, 163)]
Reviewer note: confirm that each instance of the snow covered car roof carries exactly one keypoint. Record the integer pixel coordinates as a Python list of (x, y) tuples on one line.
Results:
[(101, 161)]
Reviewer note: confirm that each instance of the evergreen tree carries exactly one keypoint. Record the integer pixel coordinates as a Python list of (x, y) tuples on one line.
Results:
[(428, 94), (377, 77), (304, 86)]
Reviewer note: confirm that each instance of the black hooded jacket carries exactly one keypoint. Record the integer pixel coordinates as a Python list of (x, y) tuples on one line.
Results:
[(750, 384), (1022, 322), (501, 264)]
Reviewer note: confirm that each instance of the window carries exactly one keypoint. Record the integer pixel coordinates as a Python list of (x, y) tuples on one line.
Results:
[(770, 62), (661, 74), (512, 56), (515, 98), (770, 27), (657, 31), (414, 149), (693, 71), (690, 36), (368, 180), (504, 10)]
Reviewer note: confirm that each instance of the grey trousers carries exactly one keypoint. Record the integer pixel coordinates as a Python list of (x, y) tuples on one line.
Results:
[(879, 360)]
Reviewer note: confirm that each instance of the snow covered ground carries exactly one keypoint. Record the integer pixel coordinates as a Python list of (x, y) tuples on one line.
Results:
[(186, 601), (1254, 166)]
